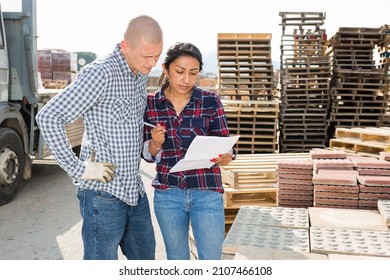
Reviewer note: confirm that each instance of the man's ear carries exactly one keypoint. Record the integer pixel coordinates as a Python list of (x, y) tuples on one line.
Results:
[(124, 45)]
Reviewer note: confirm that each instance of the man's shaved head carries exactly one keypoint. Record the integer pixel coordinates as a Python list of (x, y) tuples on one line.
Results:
[(145, 28)]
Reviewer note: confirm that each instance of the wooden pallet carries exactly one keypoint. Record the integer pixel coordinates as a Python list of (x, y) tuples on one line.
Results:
[(367, 135), (234, 198), (357, 147)]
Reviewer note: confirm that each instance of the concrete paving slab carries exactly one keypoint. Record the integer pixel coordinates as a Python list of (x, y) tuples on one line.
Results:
[(384, 210), (355, 257), (350, 241), (345, 218), (257, 253), (273, 216), (267, 237)]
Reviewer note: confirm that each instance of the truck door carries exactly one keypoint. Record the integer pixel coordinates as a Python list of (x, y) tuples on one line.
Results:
[(3, 63)]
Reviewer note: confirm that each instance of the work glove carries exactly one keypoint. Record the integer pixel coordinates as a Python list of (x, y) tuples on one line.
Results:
[(102, 171)]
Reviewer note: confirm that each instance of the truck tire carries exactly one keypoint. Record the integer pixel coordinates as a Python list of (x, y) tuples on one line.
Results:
[(11, 164)]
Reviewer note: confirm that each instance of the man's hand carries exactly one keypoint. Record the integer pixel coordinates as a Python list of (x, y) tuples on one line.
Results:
[(102, 171)]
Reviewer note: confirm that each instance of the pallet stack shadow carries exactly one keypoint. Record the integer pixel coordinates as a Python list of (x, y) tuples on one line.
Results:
[(246, 88), (251, 180), (383, 51), (304, 77), (357, 85)]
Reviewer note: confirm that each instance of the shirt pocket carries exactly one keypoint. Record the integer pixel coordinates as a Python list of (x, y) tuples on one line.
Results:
[(198, 126), (121, 109)]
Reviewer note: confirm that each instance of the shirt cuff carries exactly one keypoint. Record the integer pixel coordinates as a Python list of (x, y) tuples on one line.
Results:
[(148, 156)]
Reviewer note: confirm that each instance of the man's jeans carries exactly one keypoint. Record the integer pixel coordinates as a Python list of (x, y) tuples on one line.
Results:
[(175, 209), (109, 222)]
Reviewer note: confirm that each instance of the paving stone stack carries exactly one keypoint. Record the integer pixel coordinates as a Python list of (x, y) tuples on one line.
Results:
[(357, 86), (294, 182), (304, 77), (373, 180)]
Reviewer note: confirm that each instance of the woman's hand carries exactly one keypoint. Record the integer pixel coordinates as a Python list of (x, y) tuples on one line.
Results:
[(223, 159), (158, 137)]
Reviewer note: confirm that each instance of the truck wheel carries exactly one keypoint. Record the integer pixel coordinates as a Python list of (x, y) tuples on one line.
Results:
[(11, 164)]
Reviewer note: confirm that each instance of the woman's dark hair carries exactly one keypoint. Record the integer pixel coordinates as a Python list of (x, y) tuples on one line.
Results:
[(177, 50)]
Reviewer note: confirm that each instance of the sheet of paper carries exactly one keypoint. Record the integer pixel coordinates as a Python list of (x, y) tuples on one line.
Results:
[(202, 150)]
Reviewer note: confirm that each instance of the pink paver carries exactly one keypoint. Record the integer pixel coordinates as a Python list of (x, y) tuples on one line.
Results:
[(383, 181), (283, 186), (296, 192), (294, 203), (340, 195), (295, 176), (336, 189), (296, 197), (335, 177), (324, 153), (289, 163), (295, 181), (334, 201), (332, 163), (335, 206), (369, 162), (373, 171), (363, 188), (368, 203), (293, 170), (374, 196)]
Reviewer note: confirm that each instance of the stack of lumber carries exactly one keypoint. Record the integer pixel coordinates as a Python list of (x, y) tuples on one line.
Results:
[(304, 77), (245, 70)]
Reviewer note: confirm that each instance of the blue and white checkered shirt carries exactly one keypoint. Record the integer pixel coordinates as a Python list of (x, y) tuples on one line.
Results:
[(111, 101)]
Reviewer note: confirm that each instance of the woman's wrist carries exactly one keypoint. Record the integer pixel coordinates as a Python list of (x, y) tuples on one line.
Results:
[(155, 146)]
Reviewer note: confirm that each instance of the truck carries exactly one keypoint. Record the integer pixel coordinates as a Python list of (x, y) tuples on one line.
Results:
[(21, 97)]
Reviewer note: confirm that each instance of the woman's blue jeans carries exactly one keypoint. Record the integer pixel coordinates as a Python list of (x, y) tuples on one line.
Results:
[(175, 209), (109, 222)]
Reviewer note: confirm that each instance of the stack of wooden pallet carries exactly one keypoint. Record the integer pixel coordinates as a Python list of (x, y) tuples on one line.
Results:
[(256, 122), (251, 180), (245, 66), (383, 50), (305, 77), (357, 86)]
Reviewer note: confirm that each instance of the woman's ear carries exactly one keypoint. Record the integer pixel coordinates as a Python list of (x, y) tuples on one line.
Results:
[(165, 70)]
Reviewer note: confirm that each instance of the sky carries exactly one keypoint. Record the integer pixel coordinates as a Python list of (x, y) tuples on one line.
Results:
[(97, 25)]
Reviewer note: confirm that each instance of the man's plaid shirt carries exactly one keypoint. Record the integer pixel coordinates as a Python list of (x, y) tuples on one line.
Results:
[(111, 101), (203, 115)]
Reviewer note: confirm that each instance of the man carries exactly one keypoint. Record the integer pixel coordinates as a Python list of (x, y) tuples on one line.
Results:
[(110, 95)]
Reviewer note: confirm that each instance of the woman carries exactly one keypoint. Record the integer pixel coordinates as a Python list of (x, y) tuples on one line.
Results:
[(180, 111)]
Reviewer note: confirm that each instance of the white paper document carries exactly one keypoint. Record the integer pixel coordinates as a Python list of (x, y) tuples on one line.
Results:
[(202, 149)]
